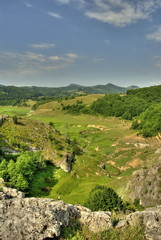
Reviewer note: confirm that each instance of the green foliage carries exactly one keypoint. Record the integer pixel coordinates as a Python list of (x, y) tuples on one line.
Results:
[(15, 120), (126, 107), (74, 108), (76, 232), (135, 124), (104, 199), (75, 147), (141, 103), (21, 172), (150, 121), (3, 169)]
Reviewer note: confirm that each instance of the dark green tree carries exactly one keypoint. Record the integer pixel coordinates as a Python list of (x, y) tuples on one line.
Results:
[(104, 199)]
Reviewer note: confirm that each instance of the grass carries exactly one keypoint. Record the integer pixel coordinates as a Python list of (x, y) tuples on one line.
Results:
[(10, 110), (101, 139), (77, 232)]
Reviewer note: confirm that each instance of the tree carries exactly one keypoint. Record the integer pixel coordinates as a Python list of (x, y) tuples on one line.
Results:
[(21, 183), (104, 199), (3, 169), (15, 120)]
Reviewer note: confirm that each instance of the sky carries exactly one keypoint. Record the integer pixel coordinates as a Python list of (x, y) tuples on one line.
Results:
[(55, 43)]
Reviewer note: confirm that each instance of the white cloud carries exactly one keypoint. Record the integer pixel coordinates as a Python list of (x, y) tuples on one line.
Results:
[(29, 63), (122, 12), (79, 3), (64, 1), (71, 55), (35, 57), (29, 5), (42, 46), (156, 36), (55, 58), (158, 64), (107, 42), (55, 15), (97, 60)]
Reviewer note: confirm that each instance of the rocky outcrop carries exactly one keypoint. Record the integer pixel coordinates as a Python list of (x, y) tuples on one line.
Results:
[(95, 221), (150, 218), (38, 219), (9, 193), (66, 163), (9, 151), (2, 118), (145, 186)]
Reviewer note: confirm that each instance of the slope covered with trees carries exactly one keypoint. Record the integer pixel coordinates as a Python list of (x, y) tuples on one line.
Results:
[(11, 95), (143, 106)]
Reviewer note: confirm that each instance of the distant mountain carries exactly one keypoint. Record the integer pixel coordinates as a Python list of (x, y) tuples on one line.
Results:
[(98, 89), (10, 95)]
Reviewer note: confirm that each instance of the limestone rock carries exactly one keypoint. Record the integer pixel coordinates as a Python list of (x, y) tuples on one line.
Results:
[(34, 219), (38, 219), (12, 193), (66, 163), (151, 219), (95, 221), (145, 186)]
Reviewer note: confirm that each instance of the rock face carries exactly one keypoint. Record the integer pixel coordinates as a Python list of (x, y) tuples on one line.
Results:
[(151, 218), (66, 163), (38, 219), (41, 219), (9, 193), (145, 186), (95, 221)]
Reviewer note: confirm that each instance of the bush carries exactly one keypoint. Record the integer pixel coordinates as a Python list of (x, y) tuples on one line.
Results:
[(15, 120), (104, 199)]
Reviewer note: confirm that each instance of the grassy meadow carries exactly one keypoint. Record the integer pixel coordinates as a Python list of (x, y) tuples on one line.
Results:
[(111, 151), (10, 110)]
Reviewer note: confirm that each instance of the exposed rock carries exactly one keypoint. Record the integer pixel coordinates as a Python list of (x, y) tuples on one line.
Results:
[(66, 163), (39, 219), (1, 182), (158, 151), (122, 223), (12, 193), (32, 218), (33, 149), (35, 218), (95, 221), (151, 218), (145, 186), (9, 150), (141, 145)]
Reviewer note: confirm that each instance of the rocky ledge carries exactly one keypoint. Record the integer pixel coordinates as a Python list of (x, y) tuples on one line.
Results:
[(39, 219)]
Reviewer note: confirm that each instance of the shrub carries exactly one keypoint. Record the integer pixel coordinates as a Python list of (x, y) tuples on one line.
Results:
[(104, 199), (15, 120)]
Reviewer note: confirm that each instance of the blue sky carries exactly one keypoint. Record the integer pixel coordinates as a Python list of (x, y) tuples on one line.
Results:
[(58, 42)]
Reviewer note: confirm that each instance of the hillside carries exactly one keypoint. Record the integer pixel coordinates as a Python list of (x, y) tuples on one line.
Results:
[(111, 150), (31, 135), (11, 95), (39, 219)]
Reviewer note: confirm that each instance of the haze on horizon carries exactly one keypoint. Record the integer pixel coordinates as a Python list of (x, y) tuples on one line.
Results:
[(55, 43)]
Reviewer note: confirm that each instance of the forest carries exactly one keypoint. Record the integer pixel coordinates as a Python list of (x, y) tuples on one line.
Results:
[(140, 105)]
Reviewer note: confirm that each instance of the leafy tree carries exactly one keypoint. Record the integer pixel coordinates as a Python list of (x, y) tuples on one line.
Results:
[(21, 172), (104, 199), (3, 169), (135, 124), (21, 183), (15, 120)]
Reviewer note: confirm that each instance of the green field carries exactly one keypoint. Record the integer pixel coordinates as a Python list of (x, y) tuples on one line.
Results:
[(104, 141), (10, 110)]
